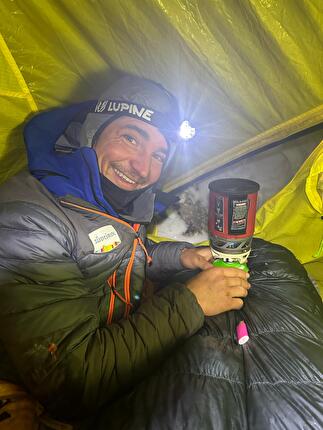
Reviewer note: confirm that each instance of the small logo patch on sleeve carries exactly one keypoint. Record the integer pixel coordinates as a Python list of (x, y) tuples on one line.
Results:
[(104, 239)]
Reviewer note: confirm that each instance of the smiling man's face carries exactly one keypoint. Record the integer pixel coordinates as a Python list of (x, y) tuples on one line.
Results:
[(131, 153)]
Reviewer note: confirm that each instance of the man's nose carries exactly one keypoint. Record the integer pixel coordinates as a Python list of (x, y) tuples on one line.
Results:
[(141, 164)]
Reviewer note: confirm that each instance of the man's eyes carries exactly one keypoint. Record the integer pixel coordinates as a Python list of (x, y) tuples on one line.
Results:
[(160, 157), (130, 139)]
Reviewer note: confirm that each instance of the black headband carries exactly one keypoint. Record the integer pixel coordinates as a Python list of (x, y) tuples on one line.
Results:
[(135, 110)]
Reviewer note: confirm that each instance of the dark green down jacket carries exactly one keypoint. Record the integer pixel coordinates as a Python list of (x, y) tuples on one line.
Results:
[(55, 298)]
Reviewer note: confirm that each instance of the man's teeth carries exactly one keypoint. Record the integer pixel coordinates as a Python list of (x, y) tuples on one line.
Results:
[(124, 176)]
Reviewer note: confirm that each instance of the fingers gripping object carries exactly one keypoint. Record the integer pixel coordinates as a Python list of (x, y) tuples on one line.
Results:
[(232, 212)]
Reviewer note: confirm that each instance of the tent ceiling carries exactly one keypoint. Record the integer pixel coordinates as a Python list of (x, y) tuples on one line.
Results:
[(241, 68)]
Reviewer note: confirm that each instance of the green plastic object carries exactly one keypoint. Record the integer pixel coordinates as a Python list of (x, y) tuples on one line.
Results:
[(236, 264)]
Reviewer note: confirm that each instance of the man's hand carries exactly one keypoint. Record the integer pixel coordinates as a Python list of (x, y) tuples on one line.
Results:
[(196, 258), (219, 290)]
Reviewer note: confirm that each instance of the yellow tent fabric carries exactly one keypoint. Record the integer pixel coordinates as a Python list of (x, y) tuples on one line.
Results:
[(247, 73), (294, 217)]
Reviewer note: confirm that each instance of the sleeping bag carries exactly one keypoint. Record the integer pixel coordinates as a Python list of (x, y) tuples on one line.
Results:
[(273, 382)]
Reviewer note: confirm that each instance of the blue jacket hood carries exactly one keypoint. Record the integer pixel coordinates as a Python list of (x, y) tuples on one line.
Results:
[(74, 170), (75, 173)]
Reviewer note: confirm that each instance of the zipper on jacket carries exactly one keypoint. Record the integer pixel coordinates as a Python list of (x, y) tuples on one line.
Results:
[(127, 278)]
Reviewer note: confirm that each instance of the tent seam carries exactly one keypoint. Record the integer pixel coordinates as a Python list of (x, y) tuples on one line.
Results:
[(277, 133), (15, 69)]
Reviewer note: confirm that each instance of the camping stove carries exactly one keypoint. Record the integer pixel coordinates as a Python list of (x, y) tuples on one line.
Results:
[(232, 213)]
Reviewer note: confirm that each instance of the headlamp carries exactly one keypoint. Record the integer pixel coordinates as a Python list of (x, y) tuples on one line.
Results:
[(186, 132), (146, 114)]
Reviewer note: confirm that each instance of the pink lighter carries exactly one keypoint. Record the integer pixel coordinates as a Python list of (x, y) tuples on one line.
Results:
[(242, 333)]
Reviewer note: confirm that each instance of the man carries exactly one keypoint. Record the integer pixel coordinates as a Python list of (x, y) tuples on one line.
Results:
[(74, 328)]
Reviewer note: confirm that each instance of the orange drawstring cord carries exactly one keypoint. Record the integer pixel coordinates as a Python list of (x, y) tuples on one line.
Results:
[(111, 281), (148, 257), (116, 293)]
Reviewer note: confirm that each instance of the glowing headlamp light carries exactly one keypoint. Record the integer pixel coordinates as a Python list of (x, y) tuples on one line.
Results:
[(186, 132)]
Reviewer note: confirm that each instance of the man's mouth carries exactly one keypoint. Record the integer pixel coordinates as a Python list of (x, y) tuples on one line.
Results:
[(124, 177)]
